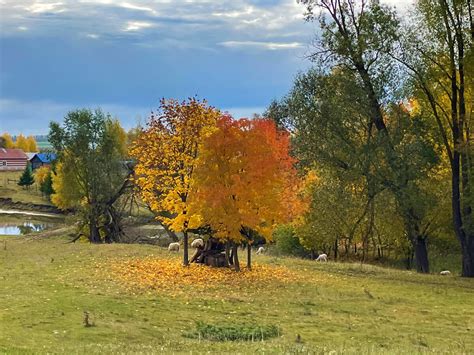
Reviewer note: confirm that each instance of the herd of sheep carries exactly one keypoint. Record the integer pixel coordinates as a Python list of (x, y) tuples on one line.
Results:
[(199, 243)]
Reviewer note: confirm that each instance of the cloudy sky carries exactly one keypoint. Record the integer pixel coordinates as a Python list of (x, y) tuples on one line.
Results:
[(58, 55)]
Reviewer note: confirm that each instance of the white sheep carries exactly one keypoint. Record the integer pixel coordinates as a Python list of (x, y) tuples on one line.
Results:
[(445, 273), (173, 247), (197, 243), (260, 250), (322, 257)]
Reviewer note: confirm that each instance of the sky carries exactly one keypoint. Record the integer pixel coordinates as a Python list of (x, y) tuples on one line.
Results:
[(123, 56)]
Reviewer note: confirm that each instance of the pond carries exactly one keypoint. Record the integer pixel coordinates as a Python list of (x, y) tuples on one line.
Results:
[(24, 228), (16, 223)]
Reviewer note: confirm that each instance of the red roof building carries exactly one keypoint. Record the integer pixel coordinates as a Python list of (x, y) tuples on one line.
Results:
[(12, 159)]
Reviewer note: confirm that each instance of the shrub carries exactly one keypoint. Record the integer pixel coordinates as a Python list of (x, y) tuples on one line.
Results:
[(287, 242), (234, 332)]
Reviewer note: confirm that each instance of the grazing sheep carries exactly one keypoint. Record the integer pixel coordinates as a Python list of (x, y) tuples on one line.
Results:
[(173, 247), (322, 257), (445, 273), (197, 243), (260, 250)]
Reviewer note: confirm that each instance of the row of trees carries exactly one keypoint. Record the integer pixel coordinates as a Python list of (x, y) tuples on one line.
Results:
[(380, 135), (27, 144), (196, 168), (42, 176), (384, 119)]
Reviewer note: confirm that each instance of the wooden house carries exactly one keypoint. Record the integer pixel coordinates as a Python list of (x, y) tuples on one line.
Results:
[(42, 159), (12, 159)]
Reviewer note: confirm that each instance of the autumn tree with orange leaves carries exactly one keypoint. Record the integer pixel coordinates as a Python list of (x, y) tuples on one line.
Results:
[(166, 156), (243, 180)]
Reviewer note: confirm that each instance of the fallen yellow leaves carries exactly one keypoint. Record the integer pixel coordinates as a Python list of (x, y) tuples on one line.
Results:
[(169, 275)]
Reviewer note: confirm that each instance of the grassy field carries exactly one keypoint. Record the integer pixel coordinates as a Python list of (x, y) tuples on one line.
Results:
[(47, 285), (9, 188), (44, 145)]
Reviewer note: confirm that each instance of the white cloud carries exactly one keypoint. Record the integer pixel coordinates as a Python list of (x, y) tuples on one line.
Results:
[(137, 25), (92, 35), (262, 45), (131, 6), (234, 14), (40, 7), (22, 28)]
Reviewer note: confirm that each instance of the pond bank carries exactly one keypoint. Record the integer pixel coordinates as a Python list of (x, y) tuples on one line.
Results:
[(9, 204), (29, 213)]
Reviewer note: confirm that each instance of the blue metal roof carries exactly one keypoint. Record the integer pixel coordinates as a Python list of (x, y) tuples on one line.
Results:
[(46, 157)]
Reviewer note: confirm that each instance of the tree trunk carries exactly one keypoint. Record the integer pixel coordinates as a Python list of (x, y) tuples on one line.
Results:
[(468, 257), (313, 254), (249, 257), (336, 249), (185, 249), (421, 255), (235, 257), (228, 260), (94, 235)]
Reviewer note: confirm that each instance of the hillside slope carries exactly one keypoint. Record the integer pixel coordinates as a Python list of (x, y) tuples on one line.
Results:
[(47, 285)]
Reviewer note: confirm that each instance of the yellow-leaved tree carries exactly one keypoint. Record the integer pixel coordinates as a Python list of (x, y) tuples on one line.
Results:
[(8, 141), (166, 154), (21, 143), (31, 144)]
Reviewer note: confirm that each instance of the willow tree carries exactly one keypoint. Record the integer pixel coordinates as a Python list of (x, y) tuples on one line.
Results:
[(357, 37), (439, 56), (90, 171), (166, 153)]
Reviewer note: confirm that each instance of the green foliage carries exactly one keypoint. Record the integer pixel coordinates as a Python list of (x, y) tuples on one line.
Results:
[(46, 187), (26, 179), (236, 332), (90, 170), (287, 242)]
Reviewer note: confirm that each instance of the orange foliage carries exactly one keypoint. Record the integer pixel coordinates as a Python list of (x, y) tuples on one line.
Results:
[(244, 177)]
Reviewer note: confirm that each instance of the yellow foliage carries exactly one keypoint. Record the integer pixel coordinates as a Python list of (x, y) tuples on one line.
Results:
[(67, 190), (166, 154), (41, 174), (25, 144), (115, 129), (31, 144), (9, 144), (22, 143), (170, 275)]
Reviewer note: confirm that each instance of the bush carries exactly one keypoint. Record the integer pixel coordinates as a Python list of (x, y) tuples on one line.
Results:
[(233, 332), (287, 242)]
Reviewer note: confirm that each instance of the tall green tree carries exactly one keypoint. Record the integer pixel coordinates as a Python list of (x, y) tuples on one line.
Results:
[(438, 54), (356, 37), (90, 174), (26, 179)]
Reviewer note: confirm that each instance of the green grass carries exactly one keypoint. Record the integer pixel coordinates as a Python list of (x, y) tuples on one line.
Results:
[(10, 189), (47, 285)]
